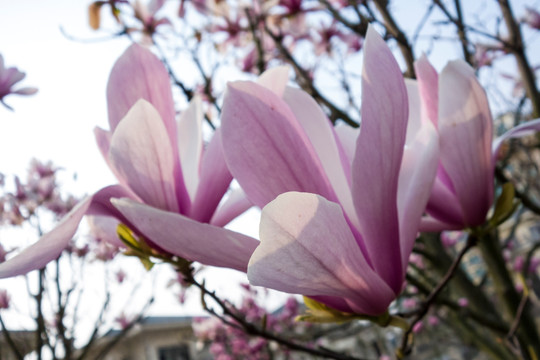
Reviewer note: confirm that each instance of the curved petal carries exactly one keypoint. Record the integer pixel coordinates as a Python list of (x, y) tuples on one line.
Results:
[(347, 136), (465, 129), (431, 224), (443, 203), (214, 182), (142, 155), (524, 129), (428, 84), (187, 238), (139, 74), (190, 144), (236, 203), (378, 157), (308, 248), (324, 140), (104, 228), (275, 79), (48, 247), (103, 140), (266, 149), (417, 173)]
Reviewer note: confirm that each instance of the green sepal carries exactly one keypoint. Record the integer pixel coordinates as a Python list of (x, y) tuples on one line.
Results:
[(505, 205), (126, 235), (320, 313), (147, 263)]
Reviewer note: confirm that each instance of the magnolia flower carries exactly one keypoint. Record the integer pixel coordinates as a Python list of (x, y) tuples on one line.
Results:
[(344, 225), (532, 18), (169, 188), (8, 78), (456, 104)]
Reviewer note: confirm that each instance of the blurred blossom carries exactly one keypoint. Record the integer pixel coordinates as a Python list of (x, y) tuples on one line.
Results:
[(433, 320), (409, 303), (419, 326), (8, 78), (532, 18), (120, 275), (518, 263), (123, 321), (463, 302), (4, 299)]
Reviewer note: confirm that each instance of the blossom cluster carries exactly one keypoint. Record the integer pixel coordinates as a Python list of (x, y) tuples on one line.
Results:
[(228, 342), (341, 208)]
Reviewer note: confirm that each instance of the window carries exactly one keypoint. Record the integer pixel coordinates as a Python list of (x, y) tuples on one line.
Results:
[(179, 352)]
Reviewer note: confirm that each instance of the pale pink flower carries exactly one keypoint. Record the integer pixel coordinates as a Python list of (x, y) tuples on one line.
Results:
[(169, 182), (8, 78), (455, 102), (344, 225)]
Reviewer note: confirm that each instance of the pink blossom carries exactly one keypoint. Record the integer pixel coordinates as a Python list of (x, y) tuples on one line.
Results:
[(532, 18), (344, 225), (169, 183), (433, 320), (418, 327), (4, 299), (123, 321), (463, 302), (120, 275), (8, 78), (455, 102)]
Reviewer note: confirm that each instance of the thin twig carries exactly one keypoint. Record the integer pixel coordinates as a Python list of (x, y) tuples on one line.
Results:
[(251, 329), (306, 83), (422, 311)]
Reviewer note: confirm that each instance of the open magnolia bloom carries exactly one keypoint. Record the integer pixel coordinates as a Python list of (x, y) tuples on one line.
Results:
[(170, 189), (344, 225), (457, 105)]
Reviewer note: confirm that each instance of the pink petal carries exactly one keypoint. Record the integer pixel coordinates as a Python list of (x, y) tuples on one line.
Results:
[(524, 129), (104, 228), (347, 136), (307, 248), (26, 91), (142, 155), (215, 180), (430, 224), (266, 149), (187, 238), (377, 162), (465, 129), (103, 140), (275, 79), (190, 144), (139, 74), (323, 138), (49, 247), (417, 173), (428, 83), (235, 204)]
